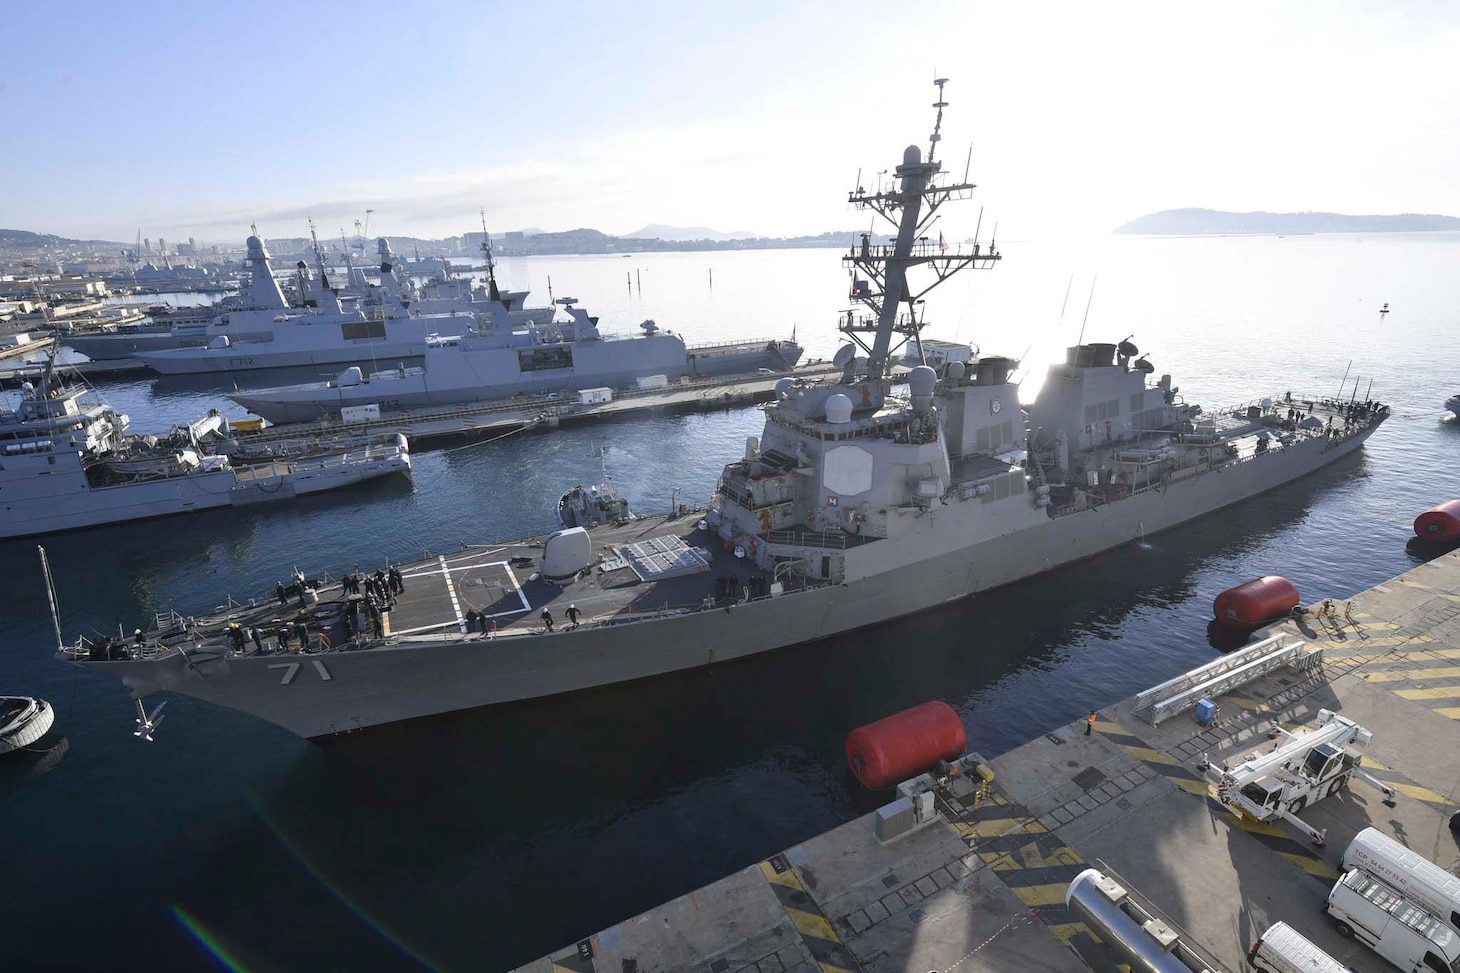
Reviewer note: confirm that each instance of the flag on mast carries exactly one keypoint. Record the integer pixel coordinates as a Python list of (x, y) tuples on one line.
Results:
[(942, 243)]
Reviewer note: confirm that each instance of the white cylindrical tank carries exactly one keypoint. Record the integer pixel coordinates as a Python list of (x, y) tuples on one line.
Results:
[(752, 447), (1097, 900), (838, 409)]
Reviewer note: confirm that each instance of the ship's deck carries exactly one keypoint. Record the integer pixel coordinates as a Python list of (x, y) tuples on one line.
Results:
[(497, 581)]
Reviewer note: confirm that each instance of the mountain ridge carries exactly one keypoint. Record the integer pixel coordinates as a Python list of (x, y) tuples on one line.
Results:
[(683, 234), (1204, 222)]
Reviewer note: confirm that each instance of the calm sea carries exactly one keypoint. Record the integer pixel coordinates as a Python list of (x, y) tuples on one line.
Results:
[(483, 839)]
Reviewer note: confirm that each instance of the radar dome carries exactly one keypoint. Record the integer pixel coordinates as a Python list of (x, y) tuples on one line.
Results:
[(921, 381), (382, 245), (838, 409), (956, 370), (254, 243), (911, 155)]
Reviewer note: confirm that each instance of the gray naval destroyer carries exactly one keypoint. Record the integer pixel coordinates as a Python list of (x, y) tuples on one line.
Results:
[(852, 508)]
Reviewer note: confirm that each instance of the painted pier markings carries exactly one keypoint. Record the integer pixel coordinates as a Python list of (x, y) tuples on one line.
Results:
[(831, 954), (1172, 769), (1276, 838), (1031, 862), (1409, 788)]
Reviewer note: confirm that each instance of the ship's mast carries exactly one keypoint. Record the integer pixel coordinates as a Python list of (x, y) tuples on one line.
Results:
[(492, 293), (912, 207), (324, 281)]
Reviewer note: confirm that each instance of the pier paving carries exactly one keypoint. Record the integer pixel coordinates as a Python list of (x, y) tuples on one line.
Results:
[(981, 885)]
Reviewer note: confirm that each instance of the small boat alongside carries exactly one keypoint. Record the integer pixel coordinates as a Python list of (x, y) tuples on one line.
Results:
[(1453, 404), (23, 721)]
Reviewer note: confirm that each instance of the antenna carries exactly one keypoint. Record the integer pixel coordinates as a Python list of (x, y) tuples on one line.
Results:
[(51, 594), (492, 292), (940, 104), (968, 164), (1088, 301)]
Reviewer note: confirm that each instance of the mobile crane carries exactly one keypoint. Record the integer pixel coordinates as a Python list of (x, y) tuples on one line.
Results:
[(1302, 768)]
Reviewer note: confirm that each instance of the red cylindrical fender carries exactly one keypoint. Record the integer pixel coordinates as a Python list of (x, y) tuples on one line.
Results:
[(1255, 602), (904, 744), (1441, 523)]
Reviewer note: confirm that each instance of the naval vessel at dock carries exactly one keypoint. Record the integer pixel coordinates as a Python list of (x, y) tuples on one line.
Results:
[(851, 509)]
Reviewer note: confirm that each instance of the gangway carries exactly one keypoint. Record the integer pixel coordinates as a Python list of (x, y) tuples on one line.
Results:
[(1225, 674)]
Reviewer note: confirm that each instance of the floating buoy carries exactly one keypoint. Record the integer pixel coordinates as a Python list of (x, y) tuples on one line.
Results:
[(1254, 602), (1440, 523), (904, 744)]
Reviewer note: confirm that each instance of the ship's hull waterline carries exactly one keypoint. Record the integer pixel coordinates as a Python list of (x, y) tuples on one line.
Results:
[(325, 694)]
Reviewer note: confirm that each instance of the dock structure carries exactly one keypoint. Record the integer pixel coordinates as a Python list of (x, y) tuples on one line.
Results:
[(105, 368), (483, 419), (980, 886)]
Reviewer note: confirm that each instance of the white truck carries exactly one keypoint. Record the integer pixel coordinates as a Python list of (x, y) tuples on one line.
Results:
[(1417, 879), (1301, 768), (1282, 949), (1410, 938)]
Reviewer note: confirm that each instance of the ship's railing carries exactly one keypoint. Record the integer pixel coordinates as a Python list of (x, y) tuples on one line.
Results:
[(830, 540), (753, 344)]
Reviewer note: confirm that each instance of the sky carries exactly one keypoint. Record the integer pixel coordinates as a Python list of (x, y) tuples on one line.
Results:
[(197, 119)]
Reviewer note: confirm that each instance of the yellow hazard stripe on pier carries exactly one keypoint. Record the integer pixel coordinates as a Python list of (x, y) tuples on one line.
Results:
[(1417, 684), (1405, 786), (1168, 767), (1034, 864), (827, 948), (1412, 675), (1276, 838)]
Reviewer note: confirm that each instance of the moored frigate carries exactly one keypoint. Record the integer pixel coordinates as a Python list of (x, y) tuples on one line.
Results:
[(851, 508)]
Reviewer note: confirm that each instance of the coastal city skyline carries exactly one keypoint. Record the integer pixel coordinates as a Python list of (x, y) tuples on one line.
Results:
[(1078, 120)]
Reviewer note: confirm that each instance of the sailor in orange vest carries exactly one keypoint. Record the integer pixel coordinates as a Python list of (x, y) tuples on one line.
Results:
[(1090, 723)]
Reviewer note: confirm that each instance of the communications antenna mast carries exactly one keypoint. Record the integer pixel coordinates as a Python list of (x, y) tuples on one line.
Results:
[(910, 204)]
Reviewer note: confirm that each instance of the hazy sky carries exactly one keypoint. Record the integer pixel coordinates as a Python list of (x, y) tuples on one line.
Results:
[(195, 119)]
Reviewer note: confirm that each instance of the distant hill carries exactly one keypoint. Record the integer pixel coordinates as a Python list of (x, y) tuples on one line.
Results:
[(662, 231), (26, 240), (1184, 222)]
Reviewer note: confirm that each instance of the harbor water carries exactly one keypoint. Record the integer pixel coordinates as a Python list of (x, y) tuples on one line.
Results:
[(482, 839)]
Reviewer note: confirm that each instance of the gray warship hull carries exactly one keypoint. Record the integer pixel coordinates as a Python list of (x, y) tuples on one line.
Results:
[(322, 694)]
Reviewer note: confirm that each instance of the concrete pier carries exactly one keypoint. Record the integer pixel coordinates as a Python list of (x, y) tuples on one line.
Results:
[(981, 886)]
